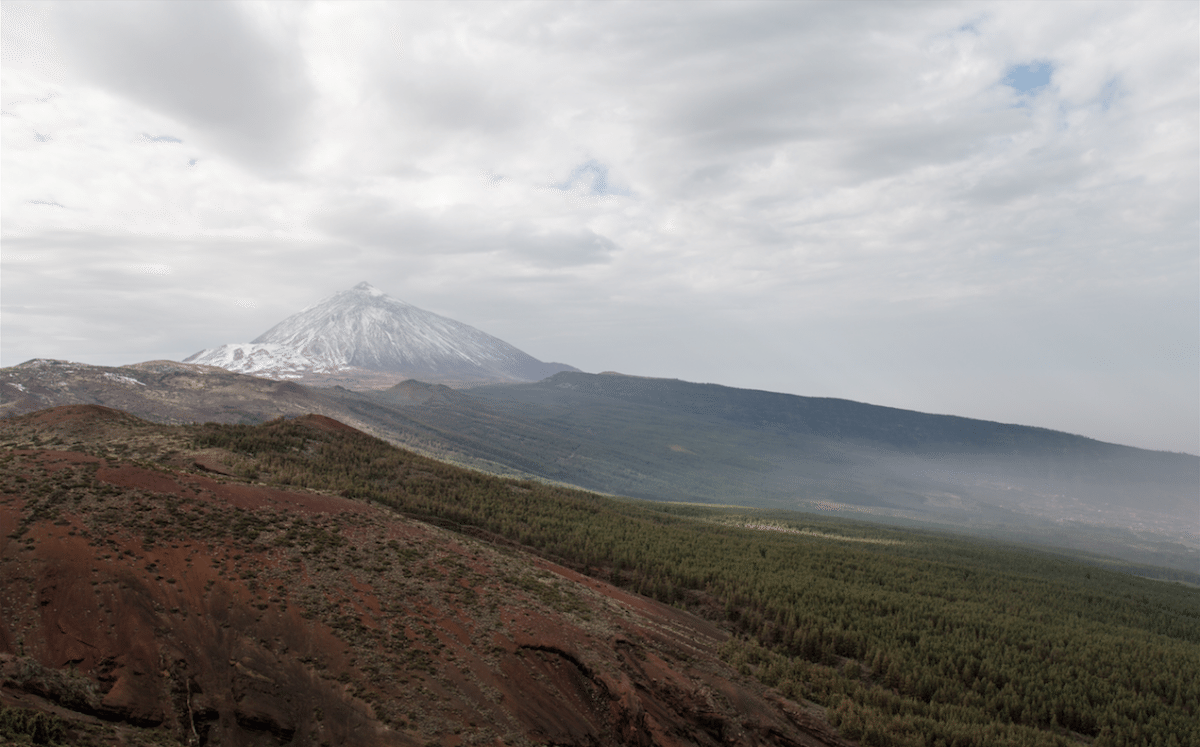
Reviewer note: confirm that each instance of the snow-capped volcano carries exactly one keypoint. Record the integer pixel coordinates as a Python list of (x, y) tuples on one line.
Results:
[(363, 329)]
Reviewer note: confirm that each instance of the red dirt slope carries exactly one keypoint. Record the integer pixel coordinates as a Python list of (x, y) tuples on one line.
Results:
[(148, 606)]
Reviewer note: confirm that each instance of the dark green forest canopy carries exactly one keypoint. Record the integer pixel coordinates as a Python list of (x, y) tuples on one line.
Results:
[(906, 636)]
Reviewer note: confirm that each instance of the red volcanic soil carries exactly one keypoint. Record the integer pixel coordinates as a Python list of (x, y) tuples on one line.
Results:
[(320, 422), (82, 419), (143, 605)]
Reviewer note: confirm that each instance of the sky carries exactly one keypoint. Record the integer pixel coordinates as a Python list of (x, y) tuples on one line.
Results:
[(987, 209)]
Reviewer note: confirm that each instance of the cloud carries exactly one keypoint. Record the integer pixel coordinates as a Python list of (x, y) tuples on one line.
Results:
[(412, 235), (211, 65)]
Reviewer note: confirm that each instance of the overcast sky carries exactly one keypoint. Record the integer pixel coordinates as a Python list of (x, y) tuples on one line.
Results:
[(982, 209)]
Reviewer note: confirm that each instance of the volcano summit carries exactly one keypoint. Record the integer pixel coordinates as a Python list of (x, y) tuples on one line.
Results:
[(363, 336)]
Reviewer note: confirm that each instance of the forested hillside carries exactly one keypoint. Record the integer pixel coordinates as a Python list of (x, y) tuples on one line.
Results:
[(908, 637)]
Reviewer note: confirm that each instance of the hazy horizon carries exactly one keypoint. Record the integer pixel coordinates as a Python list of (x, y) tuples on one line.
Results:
[(979, 209)]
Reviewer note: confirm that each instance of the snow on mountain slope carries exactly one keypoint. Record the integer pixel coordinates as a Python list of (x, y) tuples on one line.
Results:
[(365, 329)]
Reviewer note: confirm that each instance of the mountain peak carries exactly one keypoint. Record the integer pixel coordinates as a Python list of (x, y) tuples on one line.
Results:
[(367, 287), (364, 329)]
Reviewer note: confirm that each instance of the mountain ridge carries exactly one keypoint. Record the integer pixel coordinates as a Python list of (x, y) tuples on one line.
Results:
[(808, 441), (757, 406)]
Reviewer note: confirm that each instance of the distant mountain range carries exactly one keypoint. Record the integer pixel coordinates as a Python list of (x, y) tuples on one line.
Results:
[(362, 337), (679, 441)]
